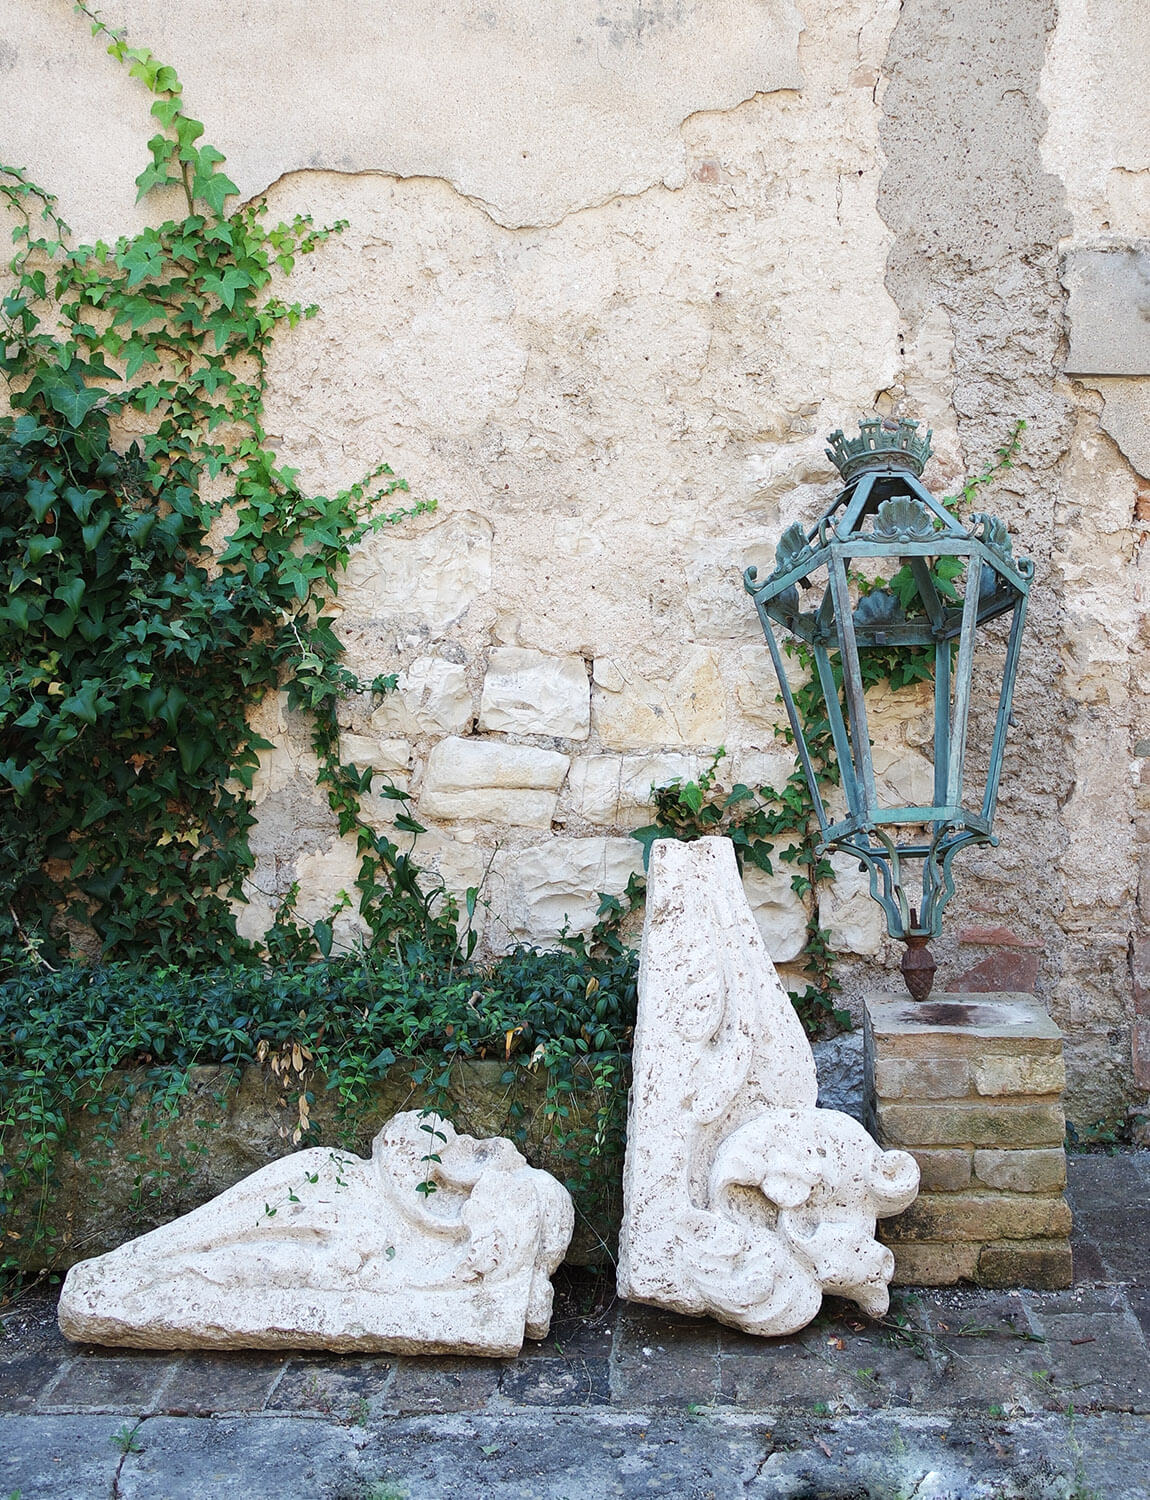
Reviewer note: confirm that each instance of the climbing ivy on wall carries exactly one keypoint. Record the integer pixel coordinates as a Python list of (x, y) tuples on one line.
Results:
[(132, 644)]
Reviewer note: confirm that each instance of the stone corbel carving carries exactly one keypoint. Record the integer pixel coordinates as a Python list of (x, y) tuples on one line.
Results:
[(741, 1199), (323, 1250)]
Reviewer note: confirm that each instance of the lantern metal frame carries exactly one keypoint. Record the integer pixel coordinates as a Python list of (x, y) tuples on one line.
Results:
[(883, 512)]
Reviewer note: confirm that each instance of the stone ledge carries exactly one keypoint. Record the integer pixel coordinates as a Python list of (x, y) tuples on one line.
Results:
[(952, 1025)]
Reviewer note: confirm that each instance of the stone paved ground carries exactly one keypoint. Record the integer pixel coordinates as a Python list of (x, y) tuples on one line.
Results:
[(957, 1393)]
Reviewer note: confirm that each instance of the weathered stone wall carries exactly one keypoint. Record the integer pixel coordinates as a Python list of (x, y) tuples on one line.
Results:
[(609, 280)]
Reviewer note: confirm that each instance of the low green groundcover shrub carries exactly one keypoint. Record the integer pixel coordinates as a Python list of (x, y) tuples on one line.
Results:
[(98, 1041)]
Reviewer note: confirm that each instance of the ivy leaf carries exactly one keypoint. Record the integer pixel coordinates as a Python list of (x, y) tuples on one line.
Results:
[(226, 286), (74, 404), (214, 190), (41, 496), (82, 703)]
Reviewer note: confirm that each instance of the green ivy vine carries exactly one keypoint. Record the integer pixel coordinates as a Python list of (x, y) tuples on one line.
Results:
[(131, 648)]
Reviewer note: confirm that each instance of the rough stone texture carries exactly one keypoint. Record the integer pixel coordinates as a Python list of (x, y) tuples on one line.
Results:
[(431, 697), (530, 692), (492, 782), (944, 1171), (980, 1216), (839, 1063), (1022, 1171), (996, 1124), (323, 1250), (538, 891), (1043, 1263), (741, 1199)]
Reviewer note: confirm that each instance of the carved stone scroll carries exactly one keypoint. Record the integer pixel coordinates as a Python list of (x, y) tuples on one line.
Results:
[(323, 1250), (741, 1199)]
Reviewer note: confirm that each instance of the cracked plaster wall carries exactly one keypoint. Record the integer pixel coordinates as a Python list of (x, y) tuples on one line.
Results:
[(604, 302)]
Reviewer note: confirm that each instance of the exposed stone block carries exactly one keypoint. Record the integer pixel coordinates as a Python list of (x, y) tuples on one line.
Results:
[(392, 757), (431, 697), (538, 891), (853, 922), (686, 708), (1022, 1171), (931, 1264), (435, 575), (1107, 310), (908, 1078), (780, 913), (951, 1217), (531, 692), (957, 1124), (492, 782), (1045, 1264), (593, 789), (943, 1171), (1019, 1075)]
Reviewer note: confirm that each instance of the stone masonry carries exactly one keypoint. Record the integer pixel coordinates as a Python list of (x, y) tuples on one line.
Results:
[(614, 369), (973, 1090)]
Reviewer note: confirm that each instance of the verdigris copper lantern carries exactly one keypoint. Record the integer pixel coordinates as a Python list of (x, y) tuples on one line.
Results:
[(888, 584)]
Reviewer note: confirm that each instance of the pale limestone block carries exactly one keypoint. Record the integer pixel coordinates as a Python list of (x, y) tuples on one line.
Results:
[(641, 775), (901, 714), (592, 790), (255, 915), (538, 891), (853, 921), (391, 757), (740, 1198), (435, 574), (1021, 1171), (431, 697), (326, 879), (530, 692), (1019, 1075), (757, 696), (492, 782), (686, 708), (780, 914), (902, 777), (323, 1250), (763, 768), (605, 674)]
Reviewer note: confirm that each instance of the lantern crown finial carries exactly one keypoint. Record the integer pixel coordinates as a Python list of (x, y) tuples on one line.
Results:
[(882, 443)]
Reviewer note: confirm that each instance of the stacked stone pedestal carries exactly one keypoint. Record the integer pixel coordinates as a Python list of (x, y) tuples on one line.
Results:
[(972, 1087)]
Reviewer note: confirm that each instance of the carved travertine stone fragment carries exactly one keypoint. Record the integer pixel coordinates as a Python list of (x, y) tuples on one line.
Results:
[(741, 1199), (322, 1250)]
